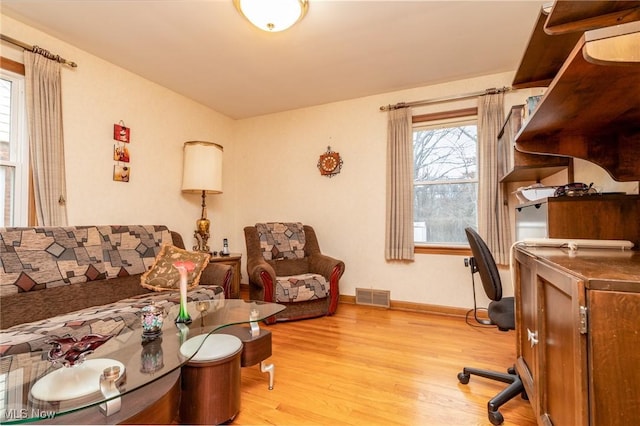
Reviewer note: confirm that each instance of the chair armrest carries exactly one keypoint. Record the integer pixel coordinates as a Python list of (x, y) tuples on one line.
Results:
[(218, 274), (325, 265), (256, 269), (262, 279)]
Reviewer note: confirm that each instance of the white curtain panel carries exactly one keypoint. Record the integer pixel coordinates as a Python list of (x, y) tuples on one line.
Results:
[(399, 216), (493, 210), (44, 115)]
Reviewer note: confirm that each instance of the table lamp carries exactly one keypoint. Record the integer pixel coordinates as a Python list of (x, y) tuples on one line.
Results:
[(202, 173)]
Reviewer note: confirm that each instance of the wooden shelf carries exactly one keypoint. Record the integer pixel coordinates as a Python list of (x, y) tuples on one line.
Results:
[(543, 57), (579, 16), (533, 172), (516, 166), (591, 110)]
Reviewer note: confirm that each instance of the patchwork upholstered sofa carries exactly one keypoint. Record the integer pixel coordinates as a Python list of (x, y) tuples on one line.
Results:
[(87, 279), (285, 265)]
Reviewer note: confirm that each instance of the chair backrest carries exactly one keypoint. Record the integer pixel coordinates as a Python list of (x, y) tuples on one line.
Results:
[(281, 240), (486, 265)]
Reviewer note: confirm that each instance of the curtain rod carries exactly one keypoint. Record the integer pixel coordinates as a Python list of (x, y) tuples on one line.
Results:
[(38, 50), (399, 105)]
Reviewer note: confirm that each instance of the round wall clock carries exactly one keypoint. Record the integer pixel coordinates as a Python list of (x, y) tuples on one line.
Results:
[(329, 163)]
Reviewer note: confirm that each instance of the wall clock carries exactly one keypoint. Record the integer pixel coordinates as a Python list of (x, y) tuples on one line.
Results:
[(329, 163)]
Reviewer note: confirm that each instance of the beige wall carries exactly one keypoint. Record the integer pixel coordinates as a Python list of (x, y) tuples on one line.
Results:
[(270, 169), (98, 94), (278, 180)]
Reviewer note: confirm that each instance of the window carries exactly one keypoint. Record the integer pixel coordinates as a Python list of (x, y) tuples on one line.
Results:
[(14, 152), (445, 179)]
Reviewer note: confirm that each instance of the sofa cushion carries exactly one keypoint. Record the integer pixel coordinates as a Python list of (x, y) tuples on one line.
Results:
[(132, 249), (300, 288), (281, 240), (163, 276), (36, 258), (39, 305), (111, 318)]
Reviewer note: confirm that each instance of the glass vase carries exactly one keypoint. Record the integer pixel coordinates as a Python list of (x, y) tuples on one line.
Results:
[(183, 314)]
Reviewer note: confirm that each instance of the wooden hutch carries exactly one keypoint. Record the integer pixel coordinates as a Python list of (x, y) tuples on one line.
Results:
[(578, 312)]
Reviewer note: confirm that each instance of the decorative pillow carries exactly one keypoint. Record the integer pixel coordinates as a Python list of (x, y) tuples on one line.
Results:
[(163, 276)]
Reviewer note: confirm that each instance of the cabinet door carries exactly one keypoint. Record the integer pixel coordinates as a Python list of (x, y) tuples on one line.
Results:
[(614, 357), (562, 348), (527, 325)]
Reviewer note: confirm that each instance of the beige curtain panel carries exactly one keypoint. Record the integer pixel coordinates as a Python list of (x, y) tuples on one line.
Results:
[(46, 144), (399, 215), (493, 210)]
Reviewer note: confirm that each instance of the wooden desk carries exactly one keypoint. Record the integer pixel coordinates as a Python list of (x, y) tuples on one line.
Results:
[(577, 327), (235, 260)]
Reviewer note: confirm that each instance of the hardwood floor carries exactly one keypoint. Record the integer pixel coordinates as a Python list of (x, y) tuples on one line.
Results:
[(374, 366)]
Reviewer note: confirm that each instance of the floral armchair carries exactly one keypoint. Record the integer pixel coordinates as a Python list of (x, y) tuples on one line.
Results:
[(285, 266)]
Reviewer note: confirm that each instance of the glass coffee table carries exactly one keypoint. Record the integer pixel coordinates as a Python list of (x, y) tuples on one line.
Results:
[(34, 389)]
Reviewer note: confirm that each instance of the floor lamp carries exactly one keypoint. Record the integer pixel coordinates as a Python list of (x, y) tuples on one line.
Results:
[(202, 173)]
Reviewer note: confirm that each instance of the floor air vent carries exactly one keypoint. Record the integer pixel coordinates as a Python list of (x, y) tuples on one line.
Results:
[(367, 296)]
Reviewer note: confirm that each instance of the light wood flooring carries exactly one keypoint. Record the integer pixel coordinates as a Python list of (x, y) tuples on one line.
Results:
[(373, 366)]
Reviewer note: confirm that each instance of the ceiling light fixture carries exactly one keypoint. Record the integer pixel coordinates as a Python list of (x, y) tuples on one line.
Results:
[(272, 15)]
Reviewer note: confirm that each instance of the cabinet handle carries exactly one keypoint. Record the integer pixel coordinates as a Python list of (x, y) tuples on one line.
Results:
[(532, 336)]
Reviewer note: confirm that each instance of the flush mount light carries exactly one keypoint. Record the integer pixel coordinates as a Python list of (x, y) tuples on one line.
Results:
[(272, 15)]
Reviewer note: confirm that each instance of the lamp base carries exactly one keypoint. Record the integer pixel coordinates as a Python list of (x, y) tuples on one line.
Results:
[(201, 235), (201, 242)]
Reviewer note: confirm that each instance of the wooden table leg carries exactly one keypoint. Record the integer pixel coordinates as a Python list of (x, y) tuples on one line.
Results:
[(255, 349)]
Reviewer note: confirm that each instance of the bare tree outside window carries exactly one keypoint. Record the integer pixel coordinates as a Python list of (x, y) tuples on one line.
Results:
[(445, 182)]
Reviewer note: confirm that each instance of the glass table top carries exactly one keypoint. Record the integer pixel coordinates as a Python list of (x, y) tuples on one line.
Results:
[(34, 388)]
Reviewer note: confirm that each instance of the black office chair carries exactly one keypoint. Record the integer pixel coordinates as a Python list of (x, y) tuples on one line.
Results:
[(501, 313)]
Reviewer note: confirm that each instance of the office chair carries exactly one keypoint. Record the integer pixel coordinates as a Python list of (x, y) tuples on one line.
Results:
[(501, 313)]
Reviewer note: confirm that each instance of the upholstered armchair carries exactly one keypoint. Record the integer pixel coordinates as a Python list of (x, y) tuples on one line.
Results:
[(285, 266)]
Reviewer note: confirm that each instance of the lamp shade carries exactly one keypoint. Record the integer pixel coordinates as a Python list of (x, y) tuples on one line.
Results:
[(272, 15), (202, 167)]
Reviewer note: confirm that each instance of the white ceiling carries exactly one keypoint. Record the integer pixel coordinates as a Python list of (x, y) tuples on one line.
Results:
[(342, 49)]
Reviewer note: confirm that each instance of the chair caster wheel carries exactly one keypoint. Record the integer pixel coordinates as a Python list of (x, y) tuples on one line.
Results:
[(496, 418), (463, 378)]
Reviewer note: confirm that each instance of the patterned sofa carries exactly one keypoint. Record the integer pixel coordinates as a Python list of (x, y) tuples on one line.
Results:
[(84, 279)]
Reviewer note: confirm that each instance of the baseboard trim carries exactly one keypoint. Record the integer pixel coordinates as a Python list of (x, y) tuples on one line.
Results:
[(414, 307), (399, 305)]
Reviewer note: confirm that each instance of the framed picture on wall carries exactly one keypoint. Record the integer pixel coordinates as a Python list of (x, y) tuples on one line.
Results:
[(121, 133), (121, 153), (121, 173)]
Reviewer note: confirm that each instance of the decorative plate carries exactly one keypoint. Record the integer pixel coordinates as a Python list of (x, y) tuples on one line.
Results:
[(74, 381)]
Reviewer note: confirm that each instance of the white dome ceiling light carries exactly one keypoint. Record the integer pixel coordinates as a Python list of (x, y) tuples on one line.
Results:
[(272, 15)]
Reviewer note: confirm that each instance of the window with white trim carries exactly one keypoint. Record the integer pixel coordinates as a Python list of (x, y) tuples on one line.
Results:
[(14, 150), (445, 156)]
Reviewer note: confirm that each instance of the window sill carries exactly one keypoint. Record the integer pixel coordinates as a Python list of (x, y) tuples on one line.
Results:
[(451, 250)]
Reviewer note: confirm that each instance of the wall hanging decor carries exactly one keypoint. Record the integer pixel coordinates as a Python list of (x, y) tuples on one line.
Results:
[(121, 173), (121, 153), (329, 163), (122, 134)]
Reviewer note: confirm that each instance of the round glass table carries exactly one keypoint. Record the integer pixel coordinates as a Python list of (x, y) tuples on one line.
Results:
[(35, 389)]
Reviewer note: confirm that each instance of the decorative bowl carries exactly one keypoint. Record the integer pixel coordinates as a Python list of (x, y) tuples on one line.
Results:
[(69, 351)]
